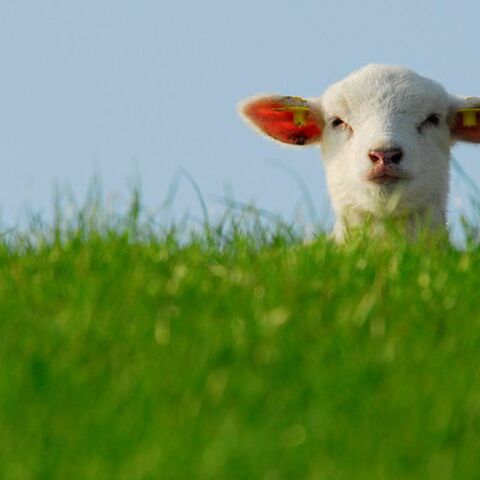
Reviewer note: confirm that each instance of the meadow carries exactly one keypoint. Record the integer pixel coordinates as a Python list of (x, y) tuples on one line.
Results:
[(235, 351)]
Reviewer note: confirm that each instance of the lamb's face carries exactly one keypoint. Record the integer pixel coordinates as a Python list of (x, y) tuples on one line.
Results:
[(385, 133), (386, 140)]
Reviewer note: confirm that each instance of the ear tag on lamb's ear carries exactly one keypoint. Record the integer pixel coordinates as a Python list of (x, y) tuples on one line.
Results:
[(469, 116), (298, 106), (469, 113)]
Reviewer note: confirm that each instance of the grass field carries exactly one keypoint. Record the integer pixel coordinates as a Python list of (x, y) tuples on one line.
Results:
[(126, 353)]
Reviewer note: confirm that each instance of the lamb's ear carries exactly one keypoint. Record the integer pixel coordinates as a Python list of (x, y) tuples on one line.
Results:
[(290, 120), (465, 122)]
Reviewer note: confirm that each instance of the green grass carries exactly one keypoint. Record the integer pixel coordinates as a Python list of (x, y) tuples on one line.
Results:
[(131, 354)]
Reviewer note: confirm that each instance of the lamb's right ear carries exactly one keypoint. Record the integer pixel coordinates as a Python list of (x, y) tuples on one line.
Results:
[(290, 120), (465, 125)]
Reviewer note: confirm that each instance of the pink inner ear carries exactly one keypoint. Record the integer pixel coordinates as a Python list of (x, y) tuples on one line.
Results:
[(462, 132), (267, 114)]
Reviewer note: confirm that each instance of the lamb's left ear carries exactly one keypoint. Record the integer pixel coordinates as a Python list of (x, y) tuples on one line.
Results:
[(290, 120), (465, 123)]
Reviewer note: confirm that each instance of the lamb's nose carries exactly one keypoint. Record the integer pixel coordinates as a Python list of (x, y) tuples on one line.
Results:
[(386, 157)]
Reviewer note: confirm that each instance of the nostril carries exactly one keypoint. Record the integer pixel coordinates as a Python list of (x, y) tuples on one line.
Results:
[(396, 156), (376, 156)]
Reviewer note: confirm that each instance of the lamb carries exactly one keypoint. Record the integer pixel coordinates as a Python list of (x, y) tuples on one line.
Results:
[(385, 134)]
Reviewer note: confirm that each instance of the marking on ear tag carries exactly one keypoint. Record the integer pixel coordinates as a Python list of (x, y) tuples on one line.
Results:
[(298, 106), (469, 116)]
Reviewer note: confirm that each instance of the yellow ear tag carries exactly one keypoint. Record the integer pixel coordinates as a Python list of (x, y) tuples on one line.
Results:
[(469, 116), (299, 115), (300, 112)]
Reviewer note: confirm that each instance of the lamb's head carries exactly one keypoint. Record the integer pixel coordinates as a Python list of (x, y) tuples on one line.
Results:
[(385, 134)]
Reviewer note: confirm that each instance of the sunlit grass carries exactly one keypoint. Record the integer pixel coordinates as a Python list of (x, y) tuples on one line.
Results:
[(130, 350)]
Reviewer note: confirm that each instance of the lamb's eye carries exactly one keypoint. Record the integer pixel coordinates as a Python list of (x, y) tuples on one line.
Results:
[(336, 122), (433, 119)]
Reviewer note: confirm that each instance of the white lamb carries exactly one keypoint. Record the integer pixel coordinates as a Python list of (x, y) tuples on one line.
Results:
[(385, 133)]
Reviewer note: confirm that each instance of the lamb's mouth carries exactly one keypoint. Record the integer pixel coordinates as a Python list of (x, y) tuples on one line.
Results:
[(387, 177)]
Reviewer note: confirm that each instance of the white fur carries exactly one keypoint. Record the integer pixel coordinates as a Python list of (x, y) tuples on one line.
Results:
[(384, 107)]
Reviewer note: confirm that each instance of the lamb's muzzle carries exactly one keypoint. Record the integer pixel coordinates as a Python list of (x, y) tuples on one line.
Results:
[(387, 156), (385, 133)]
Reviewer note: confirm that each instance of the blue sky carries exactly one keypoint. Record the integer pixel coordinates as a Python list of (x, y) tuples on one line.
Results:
[(141, 89)]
